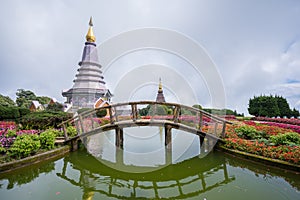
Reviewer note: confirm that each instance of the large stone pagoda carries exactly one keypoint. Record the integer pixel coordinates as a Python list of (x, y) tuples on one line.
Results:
[(89, 83)]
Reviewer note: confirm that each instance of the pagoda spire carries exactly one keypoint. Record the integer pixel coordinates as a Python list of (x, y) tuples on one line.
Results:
[(90, 37), (160, 95), (160, 85)]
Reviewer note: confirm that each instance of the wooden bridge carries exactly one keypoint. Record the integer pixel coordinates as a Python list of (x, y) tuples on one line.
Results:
[(146, 113)]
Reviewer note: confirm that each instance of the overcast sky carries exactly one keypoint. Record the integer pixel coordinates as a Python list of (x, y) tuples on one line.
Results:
[(254, 44)]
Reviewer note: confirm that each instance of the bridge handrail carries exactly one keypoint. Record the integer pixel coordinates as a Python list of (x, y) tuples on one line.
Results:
[(177, 108), (155, 103)]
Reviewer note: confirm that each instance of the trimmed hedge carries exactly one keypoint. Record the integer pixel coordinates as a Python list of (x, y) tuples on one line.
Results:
[(44, 120)]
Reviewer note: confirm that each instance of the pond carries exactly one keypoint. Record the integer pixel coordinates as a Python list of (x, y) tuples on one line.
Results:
[(145, 169)]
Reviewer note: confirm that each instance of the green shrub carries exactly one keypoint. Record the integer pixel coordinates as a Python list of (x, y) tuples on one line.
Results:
[(11, 133), (290, 138), (24, 145), (47, 139), (58, 133), (101, 113), (249, 133), (9, 113), (44, 120), (71, 131), (2, 149)]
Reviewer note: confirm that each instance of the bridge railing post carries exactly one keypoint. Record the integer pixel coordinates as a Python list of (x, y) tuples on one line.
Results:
[(65, 131), (223, 130), (216, 128), (134, 112), (176, 114), (111, 117), (200, 121), (81, 123)]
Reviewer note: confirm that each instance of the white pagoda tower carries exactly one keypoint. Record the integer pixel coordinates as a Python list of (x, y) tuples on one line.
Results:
[(89, 83)]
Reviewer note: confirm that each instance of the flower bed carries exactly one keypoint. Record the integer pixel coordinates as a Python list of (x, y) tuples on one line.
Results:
[(260, 140), (293, 121), (282, 152), (295, 128), (7, 125)]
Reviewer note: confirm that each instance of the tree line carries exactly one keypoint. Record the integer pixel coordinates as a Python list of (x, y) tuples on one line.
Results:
[(19, 111), (271, 106)]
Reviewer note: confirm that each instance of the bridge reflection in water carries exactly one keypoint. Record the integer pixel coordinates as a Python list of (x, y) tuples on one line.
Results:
[(185, 179), (144, 148)]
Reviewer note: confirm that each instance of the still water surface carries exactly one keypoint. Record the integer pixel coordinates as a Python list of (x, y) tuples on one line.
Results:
[(80, 175)]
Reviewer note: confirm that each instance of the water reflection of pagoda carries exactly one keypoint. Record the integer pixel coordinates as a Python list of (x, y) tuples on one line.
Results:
[(89, 83)]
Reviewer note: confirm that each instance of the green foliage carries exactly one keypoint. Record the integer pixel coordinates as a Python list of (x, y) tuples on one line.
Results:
[(197, 106), (155, 110), (55, 107), (47, 139), (170, 111), (101, 113), (57, 133), (2, 149), (271, 106), (290, 138), (12, 112), (295, 113), (9, 113), (23, 111), (11, 133), (144, 111), (6, 101), (185, 112), (158, 110), (43, 100), (44, 120), (249, 133), (71, 131), (222, 112), (24, 98), (24, 145)]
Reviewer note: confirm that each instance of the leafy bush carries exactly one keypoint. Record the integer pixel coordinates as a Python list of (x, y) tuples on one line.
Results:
[(11, 133), (249, 133), (44, 120), (71, 131), (101, 113), (9, 113), (24, 145), (57, 133), (290, 138), (47, 139), (2, 149)]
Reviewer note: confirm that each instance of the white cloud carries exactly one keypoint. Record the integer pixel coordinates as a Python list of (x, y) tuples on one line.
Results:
[(255, 45)]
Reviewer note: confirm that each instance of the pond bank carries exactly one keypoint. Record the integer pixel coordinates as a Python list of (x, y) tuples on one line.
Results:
[(256, 158), (53, 154), (61, 151)]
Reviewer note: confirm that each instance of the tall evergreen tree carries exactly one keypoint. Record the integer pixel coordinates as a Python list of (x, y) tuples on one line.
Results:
[(270, 106), (283, 106)]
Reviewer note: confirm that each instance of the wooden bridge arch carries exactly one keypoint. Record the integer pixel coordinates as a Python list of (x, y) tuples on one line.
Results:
[(122, 115)]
